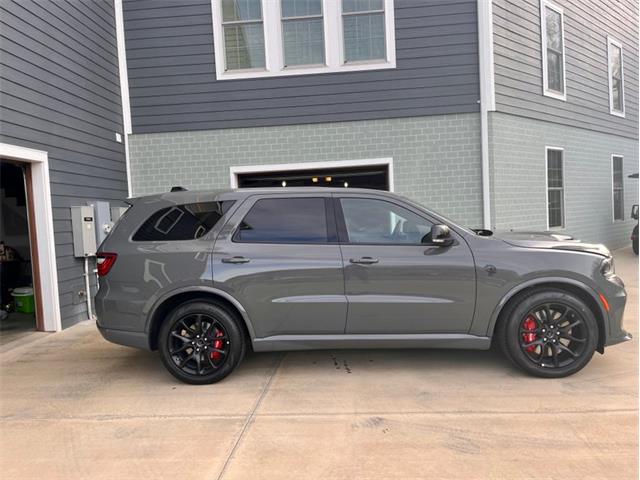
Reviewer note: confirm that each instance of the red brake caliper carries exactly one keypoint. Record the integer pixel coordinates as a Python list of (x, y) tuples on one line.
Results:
[(217, 344), (530, 324)]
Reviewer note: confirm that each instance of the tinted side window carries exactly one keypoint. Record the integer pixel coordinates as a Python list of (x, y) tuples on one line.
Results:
[(285, 220), (378, 221), (182, 222)]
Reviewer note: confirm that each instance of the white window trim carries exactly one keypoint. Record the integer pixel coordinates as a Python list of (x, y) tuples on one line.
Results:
[(546, 187), (286, 167), (274, 61), (612, 110), (43, 222), (613, 205), (124, 89), (543, 31)]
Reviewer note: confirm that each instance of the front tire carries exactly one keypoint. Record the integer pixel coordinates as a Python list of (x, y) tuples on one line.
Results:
[(549, 333), (201, 342)]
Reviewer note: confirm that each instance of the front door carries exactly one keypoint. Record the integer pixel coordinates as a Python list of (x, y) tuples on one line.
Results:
[(279, 257), (394, 283)]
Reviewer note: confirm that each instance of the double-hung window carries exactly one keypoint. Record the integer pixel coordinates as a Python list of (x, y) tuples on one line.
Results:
[(267, 38), (616, 77), (302, 32), (553, 64), (243, 31), (555, 188), (618, 187)]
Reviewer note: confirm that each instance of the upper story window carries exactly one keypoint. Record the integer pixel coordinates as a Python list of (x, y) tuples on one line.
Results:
[(553, 70), (268, 38), (243, 29), (363, 30), (616, 77), (302, 32)]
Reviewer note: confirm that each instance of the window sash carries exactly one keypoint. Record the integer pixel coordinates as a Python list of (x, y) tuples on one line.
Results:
[(299, 49), (245, 29)]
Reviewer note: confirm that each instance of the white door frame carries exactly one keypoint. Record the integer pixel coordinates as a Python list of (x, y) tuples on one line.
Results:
[(43, 223), (277, 167)]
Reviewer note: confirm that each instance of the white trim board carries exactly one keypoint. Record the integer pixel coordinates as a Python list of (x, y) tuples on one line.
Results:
[(274, 56), (44, 230), (277, 167), (124, 87)]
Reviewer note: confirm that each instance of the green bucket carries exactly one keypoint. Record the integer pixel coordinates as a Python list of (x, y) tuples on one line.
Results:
[(23, 298)]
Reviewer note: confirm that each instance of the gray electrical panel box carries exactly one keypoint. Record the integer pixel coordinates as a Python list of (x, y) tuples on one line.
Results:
[(84, 231)]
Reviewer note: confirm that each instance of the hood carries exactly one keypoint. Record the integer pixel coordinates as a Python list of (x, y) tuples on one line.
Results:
[(551, 240)]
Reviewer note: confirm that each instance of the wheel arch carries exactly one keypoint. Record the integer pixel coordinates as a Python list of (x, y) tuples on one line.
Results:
[(177, 297), (581, 290)]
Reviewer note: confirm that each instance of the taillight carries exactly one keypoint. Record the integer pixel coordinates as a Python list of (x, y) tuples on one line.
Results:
[(105, 262)]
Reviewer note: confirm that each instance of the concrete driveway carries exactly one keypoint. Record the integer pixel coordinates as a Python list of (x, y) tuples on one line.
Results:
[(75, 406)]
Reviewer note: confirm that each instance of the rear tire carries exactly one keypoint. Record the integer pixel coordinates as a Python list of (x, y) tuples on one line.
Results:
[(201, 342), (548, 333)]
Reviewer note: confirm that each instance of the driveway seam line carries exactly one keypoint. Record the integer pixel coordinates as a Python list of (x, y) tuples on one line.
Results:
[(250, 418)]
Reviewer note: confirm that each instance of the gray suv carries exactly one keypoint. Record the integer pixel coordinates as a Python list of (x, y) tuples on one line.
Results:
[(203, 276)]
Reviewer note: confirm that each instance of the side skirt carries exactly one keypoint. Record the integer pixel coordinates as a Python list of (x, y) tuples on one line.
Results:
[(337, 341)]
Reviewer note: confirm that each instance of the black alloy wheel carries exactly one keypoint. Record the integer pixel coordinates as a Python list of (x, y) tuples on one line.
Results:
[(201, 342), (198, 344), (548, 333), (553, 335)]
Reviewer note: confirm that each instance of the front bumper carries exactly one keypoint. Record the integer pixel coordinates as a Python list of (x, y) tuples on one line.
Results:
[(616, 296), (626, 336)]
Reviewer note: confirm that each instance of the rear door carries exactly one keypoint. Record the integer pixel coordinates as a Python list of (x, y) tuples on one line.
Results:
[(278, 256), (393, 282)]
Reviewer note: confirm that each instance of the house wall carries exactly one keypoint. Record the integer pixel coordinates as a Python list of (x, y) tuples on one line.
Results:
[(517, 153), (518, 63), (435, 158), (173, 86), (60, 93)]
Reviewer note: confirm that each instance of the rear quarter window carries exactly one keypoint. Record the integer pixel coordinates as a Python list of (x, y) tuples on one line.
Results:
[(181, 222)]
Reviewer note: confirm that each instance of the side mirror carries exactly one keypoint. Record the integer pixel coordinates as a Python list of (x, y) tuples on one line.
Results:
[(634, 212), (440, 236)]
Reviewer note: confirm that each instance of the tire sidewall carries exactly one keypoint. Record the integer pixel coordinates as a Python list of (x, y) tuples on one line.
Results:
[(237, 342), (512, 333)]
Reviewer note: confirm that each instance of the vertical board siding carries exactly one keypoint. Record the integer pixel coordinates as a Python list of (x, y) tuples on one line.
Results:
[(518, 63), (173, 85), (60, 92)]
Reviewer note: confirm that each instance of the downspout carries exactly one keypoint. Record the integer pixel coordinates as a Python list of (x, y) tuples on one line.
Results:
[(487, 99), (124, 88)]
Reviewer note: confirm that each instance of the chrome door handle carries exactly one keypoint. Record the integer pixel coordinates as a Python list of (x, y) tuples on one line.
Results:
[(364, 260), (236, 260)]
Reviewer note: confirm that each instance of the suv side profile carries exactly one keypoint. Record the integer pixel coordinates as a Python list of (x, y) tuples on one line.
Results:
[(203, 276)]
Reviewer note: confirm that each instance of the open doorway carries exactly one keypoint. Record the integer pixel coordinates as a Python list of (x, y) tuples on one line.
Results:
[(17, 298)]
